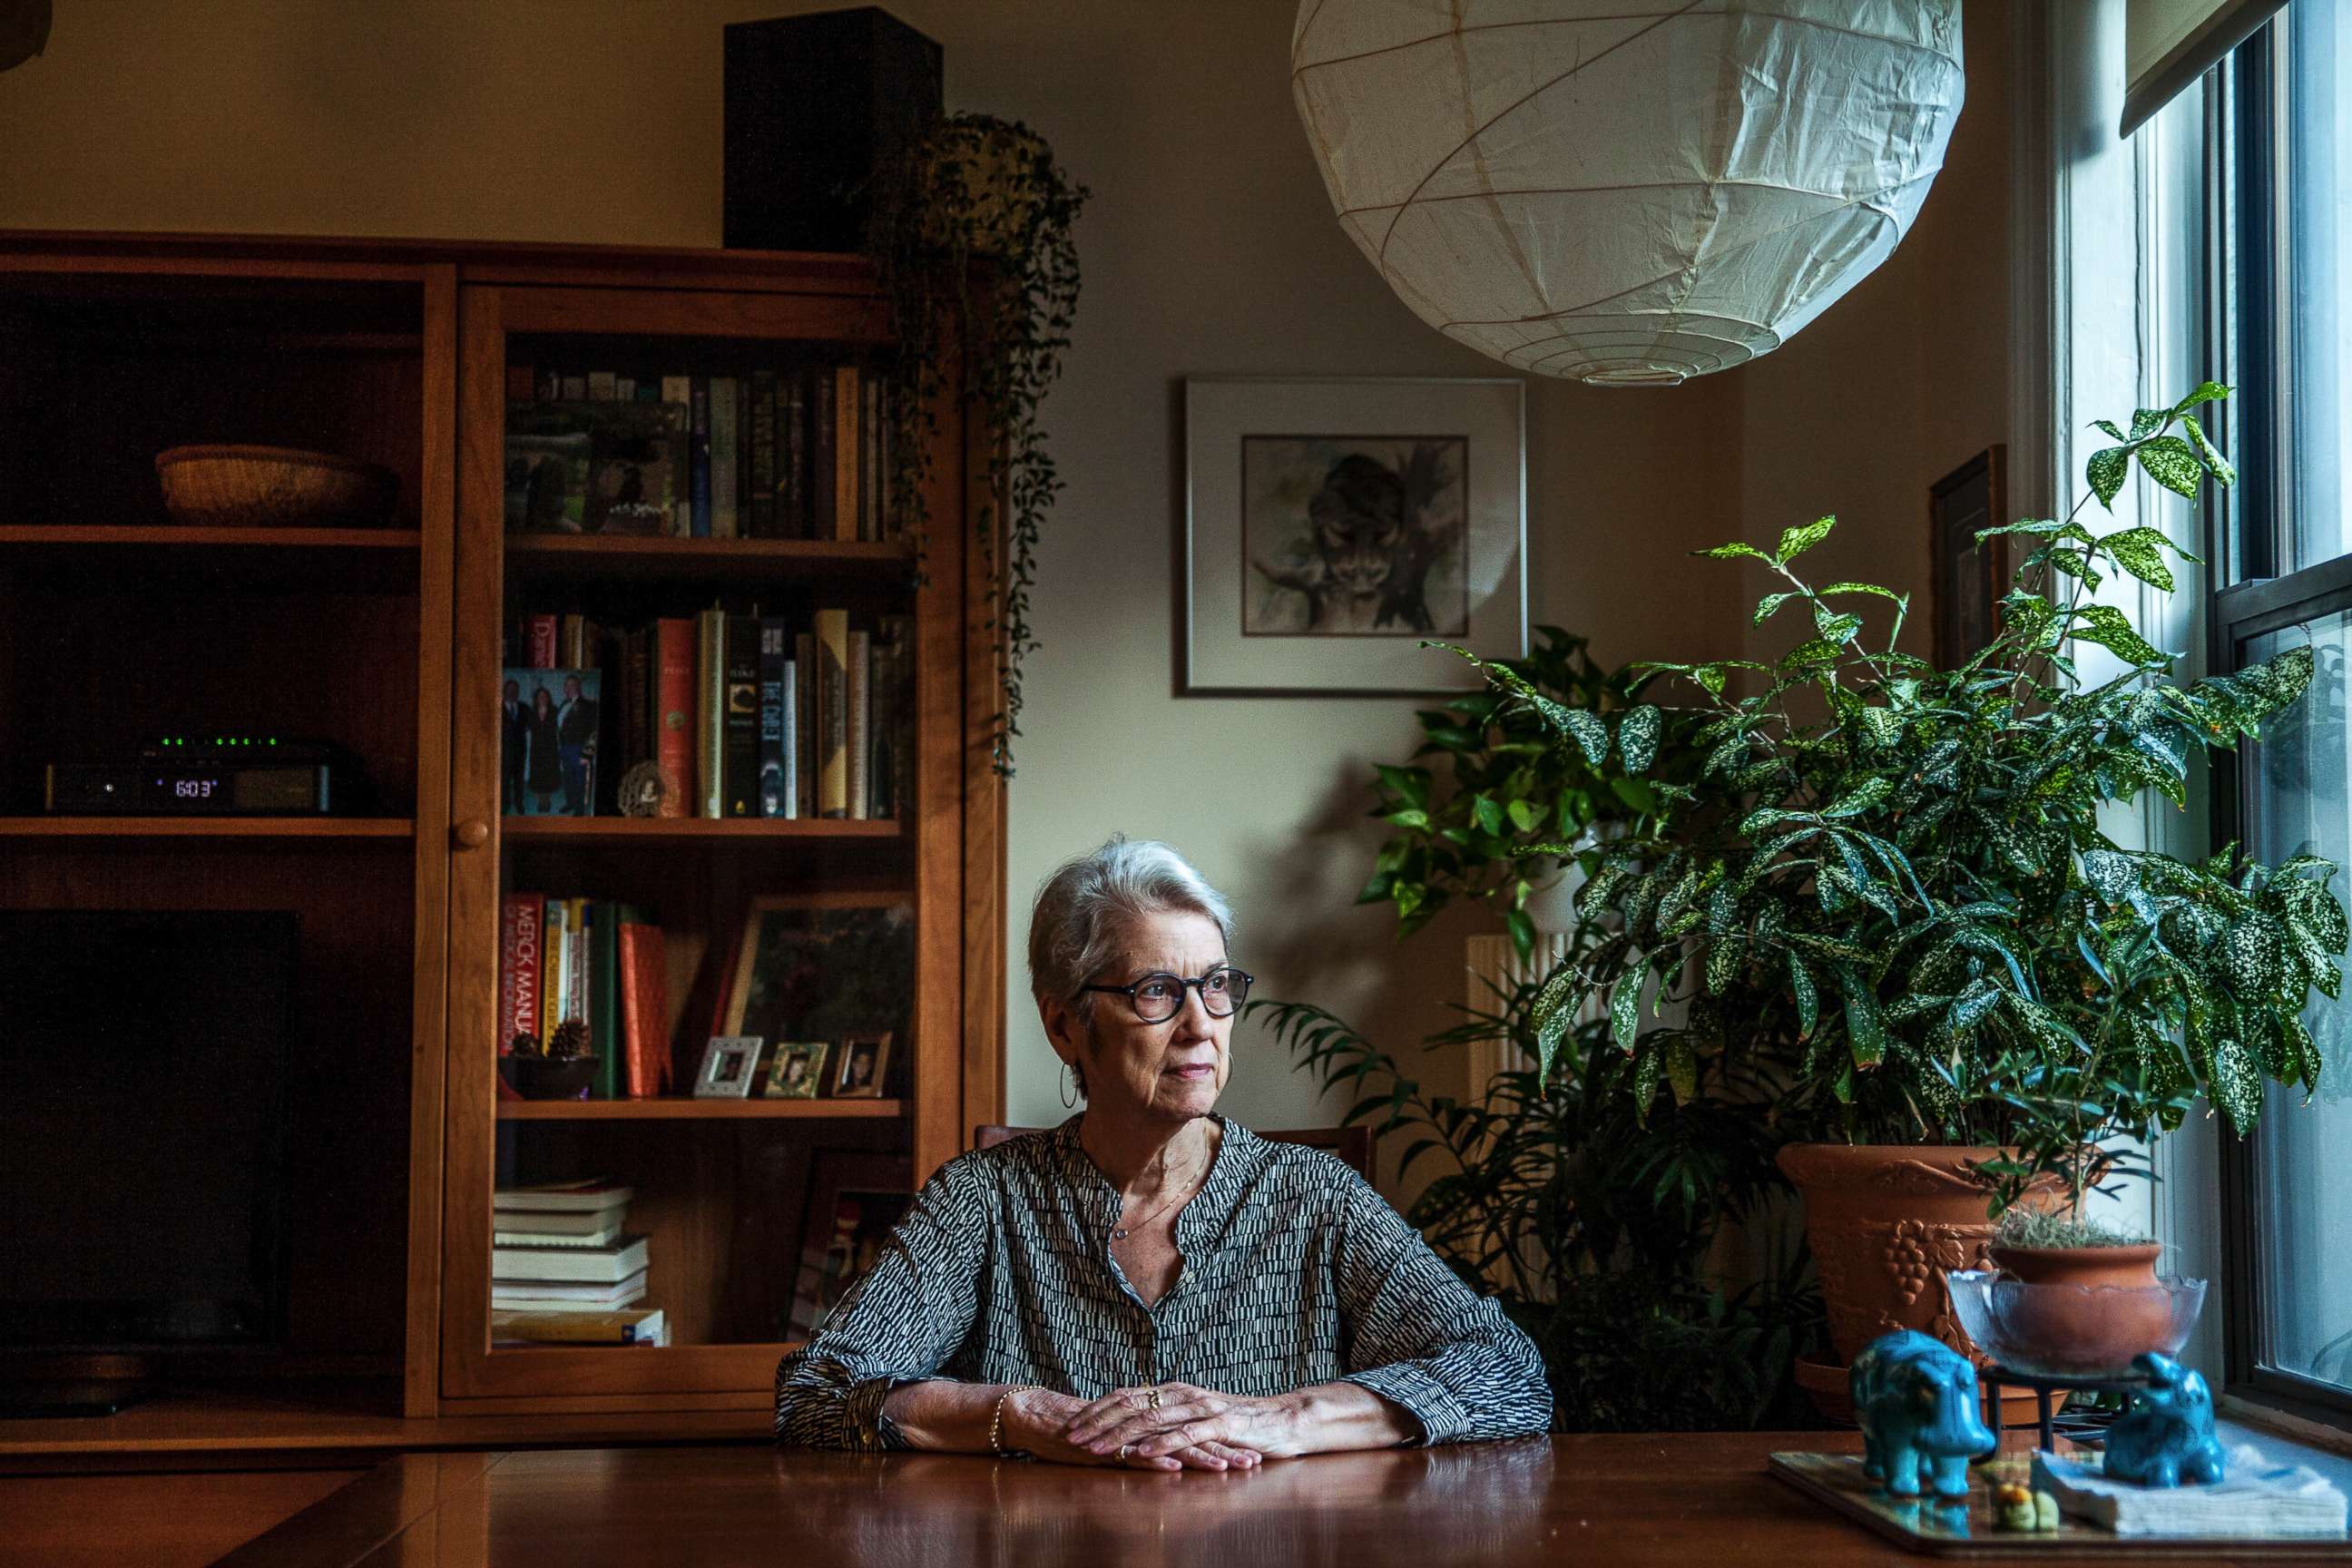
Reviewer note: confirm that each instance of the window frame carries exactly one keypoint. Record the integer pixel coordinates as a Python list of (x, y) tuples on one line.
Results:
[(2250, 537)]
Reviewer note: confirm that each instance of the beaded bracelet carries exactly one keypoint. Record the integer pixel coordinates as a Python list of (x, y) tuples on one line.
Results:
[(996, 1421)]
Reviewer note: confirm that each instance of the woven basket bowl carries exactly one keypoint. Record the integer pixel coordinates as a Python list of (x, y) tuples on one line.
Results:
[(274, 486)]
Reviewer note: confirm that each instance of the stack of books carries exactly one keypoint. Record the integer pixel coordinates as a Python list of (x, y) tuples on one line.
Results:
[(561, 1248)]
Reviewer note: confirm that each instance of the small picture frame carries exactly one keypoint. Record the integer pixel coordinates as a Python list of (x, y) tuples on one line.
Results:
[(730, 1066), (1969, 578), (795, 1070), (854, 1198), (861, 1066)]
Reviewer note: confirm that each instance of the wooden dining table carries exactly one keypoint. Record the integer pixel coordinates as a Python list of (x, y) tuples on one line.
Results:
[(1702, 1500)]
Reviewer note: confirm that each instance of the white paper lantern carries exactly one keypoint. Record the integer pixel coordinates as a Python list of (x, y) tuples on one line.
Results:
[(1626, 191)]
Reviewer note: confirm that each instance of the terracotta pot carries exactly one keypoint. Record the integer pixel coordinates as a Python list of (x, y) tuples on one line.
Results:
[(2115, 1312), (1883, 1224)]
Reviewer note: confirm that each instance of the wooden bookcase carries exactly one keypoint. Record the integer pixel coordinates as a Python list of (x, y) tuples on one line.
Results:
[(115, 623)]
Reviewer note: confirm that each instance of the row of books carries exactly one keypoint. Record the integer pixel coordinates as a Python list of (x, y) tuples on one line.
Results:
[(564, 1268), (599, 961), (743, 715), (802, 452)]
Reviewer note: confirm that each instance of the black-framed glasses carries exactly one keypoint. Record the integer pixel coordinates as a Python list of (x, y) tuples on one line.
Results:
[(1159, 996)]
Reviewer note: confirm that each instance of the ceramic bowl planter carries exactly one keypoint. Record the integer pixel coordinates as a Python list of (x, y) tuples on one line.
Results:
[(548, 1078)]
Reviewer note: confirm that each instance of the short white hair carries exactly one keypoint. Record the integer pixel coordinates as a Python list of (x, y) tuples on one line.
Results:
[(1081, 908)]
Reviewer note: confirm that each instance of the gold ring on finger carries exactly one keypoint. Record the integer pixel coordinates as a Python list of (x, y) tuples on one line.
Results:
[(1125, 1449), (1154, 1396)]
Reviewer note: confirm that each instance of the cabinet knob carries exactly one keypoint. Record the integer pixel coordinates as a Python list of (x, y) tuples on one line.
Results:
[(472, 832)]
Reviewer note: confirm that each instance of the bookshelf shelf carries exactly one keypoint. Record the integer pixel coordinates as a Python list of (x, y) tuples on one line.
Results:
[(680, 1109), (168, 536), (688, 829), (744, 559), (208, 827)]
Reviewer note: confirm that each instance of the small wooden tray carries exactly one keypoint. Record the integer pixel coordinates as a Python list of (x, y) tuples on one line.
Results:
[(1955, 1529)]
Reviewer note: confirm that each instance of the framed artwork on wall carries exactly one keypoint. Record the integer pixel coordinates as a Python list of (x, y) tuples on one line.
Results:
[(1969, 577), (1332, 525)]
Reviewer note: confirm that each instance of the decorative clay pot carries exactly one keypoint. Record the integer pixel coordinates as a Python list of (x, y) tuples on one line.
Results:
[(2115, 1312), (1883, 1224)]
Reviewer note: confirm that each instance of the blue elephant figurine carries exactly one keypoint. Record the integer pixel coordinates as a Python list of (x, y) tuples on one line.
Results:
[(2166, 1437), (1916, 1401)]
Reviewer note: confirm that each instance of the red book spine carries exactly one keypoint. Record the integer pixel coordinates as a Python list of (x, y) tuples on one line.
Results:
[(539, 639), (645, 1012), (519, 943), (673, 686)]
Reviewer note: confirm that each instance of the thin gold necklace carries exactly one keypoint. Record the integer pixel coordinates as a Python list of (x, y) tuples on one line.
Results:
[(1118, 1232)]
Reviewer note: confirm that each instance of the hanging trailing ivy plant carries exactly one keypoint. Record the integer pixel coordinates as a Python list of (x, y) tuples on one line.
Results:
[(975, 255)]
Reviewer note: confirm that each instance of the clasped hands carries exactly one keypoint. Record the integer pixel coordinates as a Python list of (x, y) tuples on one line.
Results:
[(1158, 1427)]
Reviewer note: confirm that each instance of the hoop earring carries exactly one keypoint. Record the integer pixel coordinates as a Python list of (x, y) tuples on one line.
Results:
[(1070, 1085)]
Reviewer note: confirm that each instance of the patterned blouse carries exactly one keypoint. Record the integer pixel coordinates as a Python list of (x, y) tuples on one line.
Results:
[(1296, 1272)]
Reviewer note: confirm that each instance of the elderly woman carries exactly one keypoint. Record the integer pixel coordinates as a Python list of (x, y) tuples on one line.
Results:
[(1150, 1284)]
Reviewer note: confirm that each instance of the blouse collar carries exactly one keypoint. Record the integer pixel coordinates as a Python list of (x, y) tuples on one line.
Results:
[(1238, 1154)]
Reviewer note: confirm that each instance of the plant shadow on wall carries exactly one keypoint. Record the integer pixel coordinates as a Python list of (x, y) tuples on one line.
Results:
[(1585, 1194), (976, 259)]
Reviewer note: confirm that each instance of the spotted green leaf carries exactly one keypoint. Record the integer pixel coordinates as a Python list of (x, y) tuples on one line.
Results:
[(1770, 603), (2211, 454), (2105, 472), (1795, 542), (2139, 551), (2111, 629), (1866, 1028), (2236, 1086), (1682, 1069), (1809, 1000), (2252, 951), (1626, 1004), (1637, 737), (2110, 875), (2170, 463)]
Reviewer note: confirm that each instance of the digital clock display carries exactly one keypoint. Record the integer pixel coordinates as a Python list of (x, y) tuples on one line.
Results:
[(191, 789)]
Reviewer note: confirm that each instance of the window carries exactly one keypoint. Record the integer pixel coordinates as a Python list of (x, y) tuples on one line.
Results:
[(2278, 225)]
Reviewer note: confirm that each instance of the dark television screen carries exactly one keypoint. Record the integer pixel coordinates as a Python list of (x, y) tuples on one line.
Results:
[(143, 1092)]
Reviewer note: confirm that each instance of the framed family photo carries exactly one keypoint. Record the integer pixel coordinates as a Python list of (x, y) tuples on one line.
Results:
[(1332, 525)]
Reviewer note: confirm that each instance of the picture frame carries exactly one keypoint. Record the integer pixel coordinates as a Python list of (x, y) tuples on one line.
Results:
[(1332, 524), (1969, 578), (820, 966), (862, 1066), (855, 1197), (730, 1066), (547, 758), (795, 1070)]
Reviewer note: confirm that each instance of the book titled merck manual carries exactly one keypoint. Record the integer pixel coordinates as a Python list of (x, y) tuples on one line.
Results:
[(2259, 1499)]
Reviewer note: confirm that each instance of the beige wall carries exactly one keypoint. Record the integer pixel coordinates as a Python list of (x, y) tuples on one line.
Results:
[(1209, 248)]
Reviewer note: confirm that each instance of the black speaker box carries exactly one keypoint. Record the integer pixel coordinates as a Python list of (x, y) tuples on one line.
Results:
[(821, 110)]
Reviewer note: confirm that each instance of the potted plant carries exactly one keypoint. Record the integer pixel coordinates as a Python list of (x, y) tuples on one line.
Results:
[(1590, 1210), (1895, 904), (558, 1067), (976, 259), (1507, 789)]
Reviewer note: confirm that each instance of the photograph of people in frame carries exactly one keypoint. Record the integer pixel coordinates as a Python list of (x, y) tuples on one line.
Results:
[(863, 1065), (548, 720), (795, 1070)]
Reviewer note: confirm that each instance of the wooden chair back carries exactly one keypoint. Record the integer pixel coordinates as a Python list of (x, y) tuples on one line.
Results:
[(1353, 1145)]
